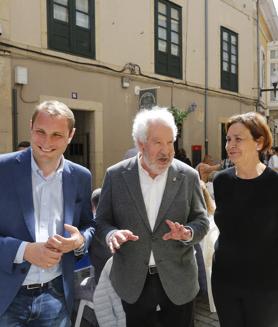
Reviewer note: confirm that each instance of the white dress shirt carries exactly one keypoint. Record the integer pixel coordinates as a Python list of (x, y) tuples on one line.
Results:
[(152, 190), (48, 213)]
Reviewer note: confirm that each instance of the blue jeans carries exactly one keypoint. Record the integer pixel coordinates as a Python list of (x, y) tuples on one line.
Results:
[(38, 308)]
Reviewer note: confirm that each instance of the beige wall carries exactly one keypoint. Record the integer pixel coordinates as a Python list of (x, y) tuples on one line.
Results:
[(121, 23), (125, 33), (6, 140)]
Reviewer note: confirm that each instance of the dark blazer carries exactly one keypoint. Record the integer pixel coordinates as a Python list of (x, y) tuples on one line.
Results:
[(122, 206), (17, 219)]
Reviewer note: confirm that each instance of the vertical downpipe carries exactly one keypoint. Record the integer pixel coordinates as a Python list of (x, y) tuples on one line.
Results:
[(258, 59), (14, 118), (206, 79)]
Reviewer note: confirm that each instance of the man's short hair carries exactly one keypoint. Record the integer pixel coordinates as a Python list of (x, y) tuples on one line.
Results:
[(55, 108)]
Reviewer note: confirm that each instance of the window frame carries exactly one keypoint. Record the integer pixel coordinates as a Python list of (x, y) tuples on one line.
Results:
[(229, 80), (165, 63), (72, 34)]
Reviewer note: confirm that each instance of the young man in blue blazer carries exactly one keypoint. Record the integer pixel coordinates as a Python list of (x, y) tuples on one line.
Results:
[(45, 222)]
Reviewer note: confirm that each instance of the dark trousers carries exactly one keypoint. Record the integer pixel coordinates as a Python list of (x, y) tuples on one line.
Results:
[(237, 307), (143, 313)]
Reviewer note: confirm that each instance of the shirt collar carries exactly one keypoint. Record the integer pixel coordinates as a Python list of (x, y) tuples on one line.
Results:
[(35, 168)]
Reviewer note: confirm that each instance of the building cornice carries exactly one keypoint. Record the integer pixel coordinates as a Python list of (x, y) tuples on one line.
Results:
[(269, 13)]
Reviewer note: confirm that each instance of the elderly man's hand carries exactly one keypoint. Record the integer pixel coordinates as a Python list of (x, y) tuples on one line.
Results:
[(177, 232), (66, 244), (119, 237)]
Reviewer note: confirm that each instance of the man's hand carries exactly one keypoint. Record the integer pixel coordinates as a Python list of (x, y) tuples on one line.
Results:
[(119, 237), (66, 244), (38, 254), (177, 232)]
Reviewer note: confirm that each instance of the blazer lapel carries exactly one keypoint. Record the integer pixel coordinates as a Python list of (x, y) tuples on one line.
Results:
[(172, 186), (131, 178), (23, 186), (69, 194)]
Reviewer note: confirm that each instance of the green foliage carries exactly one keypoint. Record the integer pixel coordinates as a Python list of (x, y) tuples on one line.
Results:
[(179, 115)]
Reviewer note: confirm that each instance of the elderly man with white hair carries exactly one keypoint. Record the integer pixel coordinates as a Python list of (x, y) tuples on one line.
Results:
[(151, 213)]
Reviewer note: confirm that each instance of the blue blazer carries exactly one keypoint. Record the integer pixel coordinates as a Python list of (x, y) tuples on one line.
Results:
[(17, 219)]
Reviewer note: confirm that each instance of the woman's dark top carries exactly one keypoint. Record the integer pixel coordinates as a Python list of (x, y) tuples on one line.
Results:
[(246, 253)]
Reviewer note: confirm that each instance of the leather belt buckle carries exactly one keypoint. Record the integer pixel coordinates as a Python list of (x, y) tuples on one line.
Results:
[(152, 270), (35, 286)]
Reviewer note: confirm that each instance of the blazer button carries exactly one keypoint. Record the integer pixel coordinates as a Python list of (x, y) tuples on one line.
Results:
[(23, 270)]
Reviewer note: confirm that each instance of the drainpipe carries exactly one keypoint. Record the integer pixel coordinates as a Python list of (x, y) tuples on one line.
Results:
[(14, 118), (206, 79), (258, 59)]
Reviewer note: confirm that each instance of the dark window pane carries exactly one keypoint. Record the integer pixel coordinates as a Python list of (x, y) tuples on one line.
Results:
[(174, 25), (161, 8), (162, 45), (61, 13), (174, 14), (174, 37), (162, 34), (233, 50), (233, 69), (82, 5), (174, 50), (233, 39), (82, 20), (162, 21), (225, 56), (225, 66), (225, 36), (233, 59)]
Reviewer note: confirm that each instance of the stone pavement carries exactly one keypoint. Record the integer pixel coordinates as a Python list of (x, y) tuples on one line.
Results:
[(203, 316)]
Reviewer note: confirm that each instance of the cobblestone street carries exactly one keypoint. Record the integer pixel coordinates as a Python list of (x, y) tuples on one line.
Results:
[(203, 316)]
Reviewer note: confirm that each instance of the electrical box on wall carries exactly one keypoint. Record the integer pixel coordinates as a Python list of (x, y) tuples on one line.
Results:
[(21, 75)]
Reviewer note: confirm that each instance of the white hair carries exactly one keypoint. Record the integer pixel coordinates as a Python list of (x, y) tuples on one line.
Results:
[(145, 118)]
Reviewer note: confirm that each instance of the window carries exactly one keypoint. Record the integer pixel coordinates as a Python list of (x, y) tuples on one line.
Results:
[(229, 60), (273, 54), (168, 39), (71, 26), (273, 70)]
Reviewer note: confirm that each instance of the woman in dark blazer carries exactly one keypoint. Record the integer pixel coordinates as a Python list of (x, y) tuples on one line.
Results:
[(245, 266)]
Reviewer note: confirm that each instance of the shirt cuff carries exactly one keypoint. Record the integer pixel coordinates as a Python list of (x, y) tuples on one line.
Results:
[(81, 249), (109, 235), (192, 235), (20, 253)]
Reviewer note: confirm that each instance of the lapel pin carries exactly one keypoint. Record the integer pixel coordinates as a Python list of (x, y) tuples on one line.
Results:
[(174, 179)]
